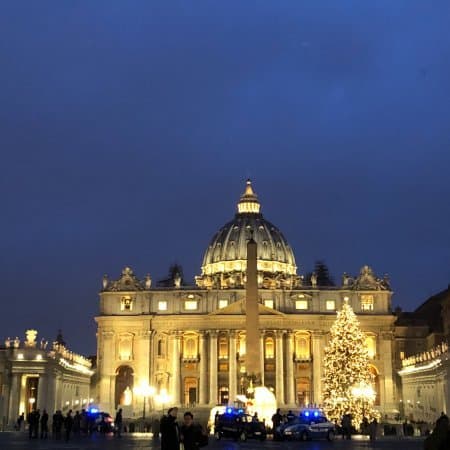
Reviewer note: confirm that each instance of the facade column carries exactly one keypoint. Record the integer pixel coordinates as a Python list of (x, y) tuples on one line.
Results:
[(203, 368), (279, 369), (386, 381), (262, 353), (290, 378), (106, 360), (213, 368), (176, 372), (317, 354), (14, 399), (232, 367)]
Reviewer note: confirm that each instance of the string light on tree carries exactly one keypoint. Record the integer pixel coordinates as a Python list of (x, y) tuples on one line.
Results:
[(347, 376)]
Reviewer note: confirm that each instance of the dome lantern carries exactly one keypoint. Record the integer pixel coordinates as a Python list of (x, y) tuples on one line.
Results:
[(248, 203)]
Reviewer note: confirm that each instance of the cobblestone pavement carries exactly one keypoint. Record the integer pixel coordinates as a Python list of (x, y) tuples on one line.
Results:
[(20, 441)]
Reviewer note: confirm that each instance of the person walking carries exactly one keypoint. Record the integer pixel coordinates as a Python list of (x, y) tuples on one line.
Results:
[(57, 424), (44, 424), (373, 428), (118, 423), (68, 424), (277, 419), (170, 434), (20, 421), (346, 425)]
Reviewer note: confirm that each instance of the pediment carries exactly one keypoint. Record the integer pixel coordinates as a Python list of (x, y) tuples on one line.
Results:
[(238, 308)]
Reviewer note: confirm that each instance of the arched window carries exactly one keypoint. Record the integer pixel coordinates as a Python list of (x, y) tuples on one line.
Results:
[(223, 347), (269, 348), (161, 347), (124, 386), (125, 350), (190, 346), (302, 347)]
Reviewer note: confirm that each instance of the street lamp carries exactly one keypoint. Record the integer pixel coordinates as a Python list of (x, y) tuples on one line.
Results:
[(145, 390), (365, 392), (163, 398)]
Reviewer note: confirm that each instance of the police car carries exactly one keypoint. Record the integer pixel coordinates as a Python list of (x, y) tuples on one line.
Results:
[(235, 423), (311, 424)]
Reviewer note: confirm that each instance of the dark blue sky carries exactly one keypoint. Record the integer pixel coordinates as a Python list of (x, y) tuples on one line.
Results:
[(127, 130)]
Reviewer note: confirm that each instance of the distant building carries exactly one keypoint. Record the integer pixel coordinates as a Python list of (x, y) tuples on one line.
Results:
[(33, 376), (422, 339), (186, 345)]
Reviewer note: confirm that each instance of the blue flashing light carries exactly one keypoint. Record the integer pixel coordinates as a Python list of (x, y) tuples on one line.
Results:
[(316, 414), (229, 410), (240, 411), (307, 413), (93, 410)]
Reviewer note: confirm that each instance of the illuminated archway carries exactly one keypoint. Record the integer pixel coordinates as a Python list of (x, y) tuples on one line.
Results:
[(124, 385)]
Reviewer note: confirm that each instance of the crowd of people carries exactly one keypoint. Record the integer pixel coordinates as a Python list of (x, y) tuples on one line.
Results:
[(63, 426)]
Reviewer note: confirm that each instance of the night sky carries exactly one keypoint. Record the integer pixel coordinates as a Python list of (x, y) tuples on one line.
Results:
[(128, 129)]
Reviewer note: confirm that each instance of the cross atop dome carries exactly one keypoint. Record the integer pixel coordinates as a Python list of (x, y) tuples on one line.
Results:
[(248, 203)]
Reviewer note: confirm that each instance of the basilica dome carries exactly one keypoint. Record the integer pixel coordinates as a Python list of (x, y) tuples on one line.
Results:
[(225, 260)]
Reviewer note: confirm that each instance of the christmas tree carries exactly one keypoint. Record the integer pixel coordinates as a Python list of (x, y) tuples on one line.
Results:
[(347, 378)]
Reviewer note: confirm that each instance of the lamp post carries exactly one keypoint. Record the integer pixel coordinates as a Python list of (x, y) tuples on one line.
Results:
[(364, 392), (163, 398), (145, 390)]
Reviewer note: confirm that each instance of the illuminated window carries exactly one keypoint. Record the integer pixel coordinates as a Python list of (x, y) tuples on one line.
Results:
[(330, 305), (268, 303), (190, 305), (241, 344), (190, 347), (269, 347), (223, 347), (125, 347), (126, 304), (371, 344), (301, 304), (302, 347), (366, 302), (162, 305), (161, 348), (402, 355), (223, 304)]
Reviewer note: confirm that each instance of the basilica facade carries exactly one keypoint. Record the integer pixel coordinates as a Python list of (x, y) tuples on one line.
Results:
[(186, 345)]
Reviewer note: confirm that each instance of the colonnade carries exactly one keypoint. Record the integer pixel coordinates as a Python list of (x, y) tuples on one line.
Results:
[(208, 371)]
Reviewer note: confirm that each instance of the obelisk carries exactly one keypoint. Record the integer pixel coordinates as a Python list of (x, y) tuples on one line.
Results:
[(253, 353)]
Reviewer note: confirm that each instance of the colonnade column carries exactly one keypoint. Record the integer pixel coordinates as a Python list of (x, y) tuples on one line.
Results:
[(262, 353), (41, 400), (232, 375), (317, 345), (279, 369), (290, 378), (212, 368), (176, 373), (14, 394), (203, 369)]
